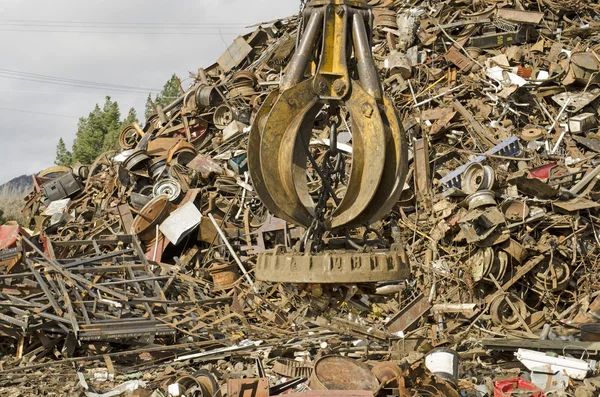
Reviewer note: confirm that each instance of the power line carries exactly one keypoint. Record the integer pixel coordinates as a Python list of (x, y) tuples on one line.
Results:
[(42, 113), (124, 95), (149, 33), (151, 24), (75, 81), (71, 85), (172, 27)]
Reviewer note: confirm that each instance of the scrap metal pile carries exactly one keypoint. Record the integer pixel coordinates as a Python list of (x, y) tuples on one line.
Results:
[(137, 272)]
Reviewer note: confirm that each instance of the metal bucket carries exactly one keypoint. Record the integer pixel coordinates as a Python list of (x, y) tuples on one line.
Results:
[(443, 363)]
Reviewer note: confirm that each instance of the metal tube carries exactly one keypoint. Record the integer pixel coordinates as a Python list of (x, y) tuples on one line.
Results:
[(202, 76), (584, 181), (556, 122), (230, 248), (367, 72), (303, 54), (174, 104)]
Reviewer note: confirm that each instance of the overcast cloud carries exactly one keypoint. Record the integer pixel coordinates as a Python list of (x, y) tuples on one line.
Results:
[(28, 140)]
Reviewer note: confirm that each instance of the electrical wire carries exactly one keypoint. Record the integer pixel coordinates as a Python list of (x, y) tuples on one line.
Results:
[(151, 24), (150, 33), (141, 27), (73, 81), (124, 95), (74, 85), (41, 113)]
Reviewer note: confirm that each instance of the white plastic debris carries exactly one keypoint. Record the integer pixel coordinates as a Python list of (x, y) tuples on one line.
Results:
[(541, 362), (57, 207), (506, 78), (174, 390), (123, 388), (181, 222)]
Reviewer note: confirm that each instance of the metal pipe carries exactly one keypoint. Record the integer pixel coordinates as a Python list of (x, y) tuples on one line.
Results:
[(556, 122), (174, 104), (437, 96), (202, 76), (584, 181), (303, 55), (367, 72), (230, 248), (119, 282)]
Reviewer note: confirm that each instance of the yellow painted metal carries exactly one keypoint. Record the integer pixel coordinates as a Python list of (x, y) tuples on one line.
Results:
[(332, 80), (333, 29)]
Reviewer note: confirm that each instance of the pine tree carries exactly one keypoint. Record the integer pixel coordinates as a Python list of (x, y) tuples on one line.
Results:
[(171, 91), (131, 117), (63, 156), (111, 140), (149, 111), (97, 133)]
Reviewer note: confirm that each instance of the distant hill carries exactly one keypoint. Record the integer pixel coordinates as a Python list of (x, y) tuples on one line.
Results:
[(18, 183)]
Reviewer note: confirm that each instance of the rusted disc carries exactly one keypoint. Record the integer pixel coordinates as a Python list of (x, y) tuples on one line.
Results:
[(481, 263), (502, 314), (208, 383), (553, 280), (532, 134), (386, 372), (478, 177), (515, 210), (153, 214), (342, 373), (223, 117)]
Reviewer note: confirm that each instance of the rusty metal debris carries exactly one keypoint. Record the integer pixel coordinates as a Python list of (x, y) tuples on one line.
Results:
[(473, 233)]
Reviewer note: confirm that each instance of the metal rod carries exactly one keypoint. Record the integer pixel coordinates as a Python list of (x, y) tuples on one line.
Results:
[(303, 55), (230, 248), (437, 96), (562, 135), (367, 71)]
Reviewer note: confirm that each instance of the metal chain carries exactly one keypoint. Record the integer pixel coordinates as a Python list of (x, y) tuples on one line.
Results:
[(301, 21), (302, 7), (332, 173)]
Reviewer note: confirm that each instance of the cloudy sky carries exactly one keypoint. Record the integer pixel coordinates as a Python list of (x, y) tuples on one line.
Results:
[(61, 57)]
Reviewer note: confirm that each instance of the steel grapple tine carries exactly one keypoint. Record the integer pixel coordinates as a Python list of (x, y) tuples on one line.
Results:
[(369, 142), (394, 171), (254, 148), (279, 137)]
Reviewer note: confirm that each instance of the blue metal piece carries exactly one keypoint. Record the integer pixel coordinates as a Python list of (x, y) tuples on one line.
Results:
[(509, 148)]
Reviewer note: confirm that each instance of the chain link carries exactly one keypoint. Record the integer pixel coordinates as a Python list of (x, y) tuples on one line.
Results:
[(302, 7), (301, 21), (332, 173)]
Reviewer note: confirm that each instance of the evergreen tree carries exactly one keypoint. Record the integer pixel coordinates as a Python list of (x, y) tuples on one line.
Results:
[(63, 156), (97, 133), (111, 140), (171, 91), (131, 117), (149, 111)]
